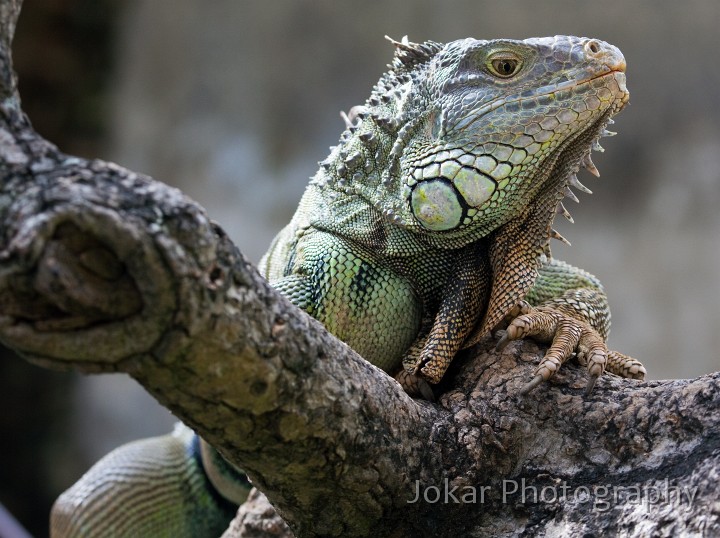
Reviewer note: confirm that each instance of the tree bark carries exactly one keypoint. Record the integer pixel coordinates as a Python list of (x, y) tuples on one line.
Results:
[(105, 270)]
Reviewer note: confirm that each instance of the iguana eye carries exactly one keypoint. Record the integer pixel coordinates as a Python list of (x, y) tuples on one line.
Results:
[(504, 66)]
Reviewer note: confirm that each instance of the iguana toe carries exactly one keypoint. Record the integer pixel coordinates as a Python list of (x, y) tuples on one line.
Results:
[(625, 366), (415, 385)]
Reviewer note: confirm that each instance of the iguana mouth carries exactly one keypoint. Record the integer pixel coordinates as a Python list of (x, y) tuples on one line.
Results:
[(558, 90), (576, 83)]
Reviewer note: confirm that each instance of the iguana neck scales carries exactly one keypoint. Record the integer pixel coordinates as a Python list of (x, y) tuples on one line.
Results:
[(426, 227)]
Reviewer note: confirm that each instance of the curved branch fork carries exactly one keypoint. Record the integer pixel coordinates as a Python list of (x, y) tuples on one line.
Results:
[(102, 269), (82, 282)]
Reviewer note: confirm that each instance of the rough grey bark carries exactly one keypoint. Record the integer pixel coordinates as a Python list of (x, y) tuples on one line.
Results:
[(103, 269)]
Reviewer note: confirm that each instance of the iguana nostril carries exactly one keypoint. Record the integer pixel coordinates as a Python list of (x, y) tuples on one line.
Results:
[(605, 53), (593, 47)]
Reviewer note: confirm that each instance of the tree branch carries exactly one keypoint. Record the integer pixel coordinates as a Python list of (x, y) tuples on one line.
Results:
[(103, 269), (9, 11)]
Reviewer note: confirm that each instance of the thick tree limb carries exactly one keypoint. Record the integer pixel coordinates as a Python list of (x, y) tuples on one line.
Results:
[(106, 270), (197, 325), (102, 269)]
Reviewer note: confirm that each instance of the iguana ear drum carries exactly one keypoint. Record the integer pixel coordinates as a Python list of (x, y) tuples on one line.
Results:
[(436, 205)]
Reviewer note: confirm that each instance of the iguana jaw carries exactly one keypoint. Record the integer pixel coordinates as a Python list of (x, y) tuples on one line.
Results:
[(577, 151), (501, 193)]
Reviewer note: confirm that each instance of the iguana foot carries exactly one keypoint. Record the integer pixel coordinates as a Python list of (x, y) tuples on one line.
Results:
[(415, 385), (567, 335)]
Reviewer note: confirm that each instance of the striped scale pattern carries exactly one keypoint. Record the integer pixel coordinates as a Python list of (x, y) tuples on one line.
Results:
[(149, 488)]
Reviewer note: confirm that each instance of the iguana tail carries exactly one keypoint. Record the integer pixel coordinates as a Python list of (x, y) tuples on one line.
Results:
[(155, 487)]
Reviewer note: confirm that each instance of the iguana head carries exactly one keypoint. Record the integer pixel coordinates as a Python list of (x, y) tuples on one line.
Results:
[(465, 135)]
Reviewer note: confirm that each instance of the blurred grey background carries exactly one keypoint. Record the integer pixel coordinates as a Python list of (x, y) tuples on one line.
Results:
[(235, 102)]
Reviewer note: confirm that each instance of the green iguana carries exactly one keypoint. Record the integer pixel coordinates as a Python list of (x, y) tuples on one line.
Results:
[(425, 228)]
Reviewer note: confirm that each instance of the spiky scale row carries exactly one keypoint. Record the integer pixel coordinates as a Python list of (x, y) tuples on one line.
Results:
[(409, 54), (589, 166), (574, 182), (561, 210)]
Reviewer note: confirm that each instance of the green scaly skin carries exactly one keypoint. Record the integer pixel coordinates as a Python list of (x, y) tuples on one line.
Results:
[(426, 228)]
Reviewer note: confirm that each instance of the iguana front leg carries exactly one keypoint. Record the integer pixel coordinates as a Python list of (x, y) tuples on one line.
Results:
[(572, 315), (463, 300)]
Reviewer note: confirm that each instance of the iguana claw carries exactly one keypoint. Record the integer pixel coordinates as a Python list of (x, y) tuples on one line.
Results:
[(567, 335), (523, 307), (503, 342), (591, 384), (531, 385)]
